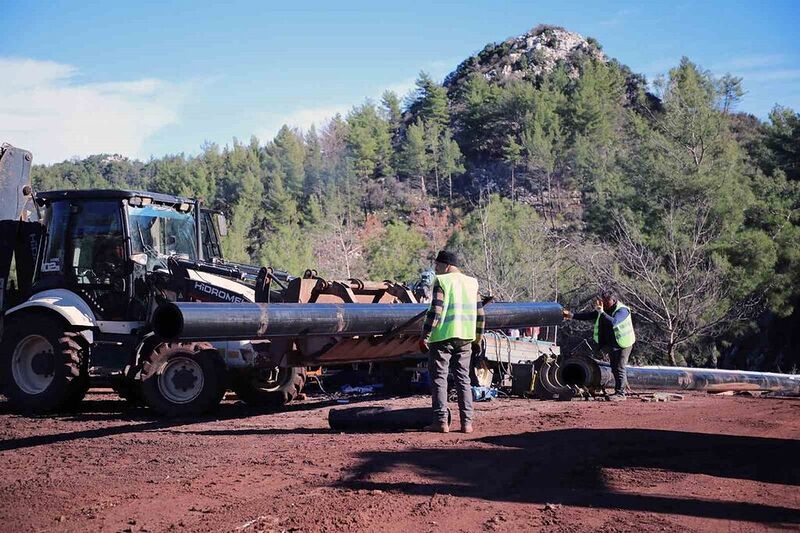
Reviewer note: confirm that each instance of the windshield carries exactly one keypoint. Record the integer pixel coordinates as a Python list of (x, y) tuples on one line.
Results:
[(161, 231)]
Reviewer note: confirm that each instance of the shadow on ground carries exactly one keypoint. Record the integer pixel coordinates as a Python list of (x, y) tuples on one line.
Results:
[(577, 467), (128, 418)]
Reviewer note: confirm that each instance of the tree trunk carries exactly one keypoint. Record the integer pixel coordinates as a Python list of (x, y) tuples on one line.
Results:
[(512, 186), (671, 355), (551, 206), (450, 183)]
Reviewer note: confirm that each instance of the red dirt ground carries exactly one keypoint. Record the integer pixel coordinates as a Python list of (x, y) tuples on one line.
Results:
[(703, 463)]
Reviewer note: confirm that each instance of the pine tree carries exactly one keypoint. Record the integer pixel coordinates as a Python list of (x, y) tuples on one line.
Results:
[(395, 254), (393, 115), (415, 154), (314, 164), (783, 141), (731, 92), (291, 152), (452, 160), (542, 140), (434, 142), (369, 142), (429, 102), (512, 156)]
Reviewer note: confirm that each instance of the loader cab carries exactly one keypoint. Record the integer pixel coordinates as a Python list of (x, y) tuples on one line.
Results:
[(101, 244)]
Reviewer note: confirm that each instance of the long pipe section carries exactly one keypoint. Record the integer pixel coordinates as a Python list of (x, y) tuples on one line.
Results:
[(592, 374), (246, 321)]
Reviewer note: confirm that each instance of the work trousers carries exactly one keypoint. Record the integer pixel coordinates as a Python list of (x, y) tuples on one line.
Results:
[(454, 354), (619, 362)]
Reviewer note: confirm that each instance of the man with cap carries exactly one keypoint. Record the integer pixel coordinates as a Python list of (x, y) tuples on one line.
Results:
[(453, 323), (613, 333)]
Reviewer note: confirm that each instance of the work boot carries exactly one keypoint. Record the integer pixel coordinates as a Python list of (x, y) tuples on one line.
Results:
[(617, 397), (466, 427), (438, 427)]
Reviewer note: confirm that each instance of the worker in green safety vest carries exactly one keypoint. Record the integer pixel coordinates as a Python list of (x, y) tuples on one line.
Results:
[(453, 323), (613, 333)]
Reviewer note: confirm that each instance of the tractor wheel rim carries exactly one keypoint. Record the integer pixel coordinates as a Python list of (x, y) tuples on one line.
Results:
[(272, 379), (31, 378), (180, 380)]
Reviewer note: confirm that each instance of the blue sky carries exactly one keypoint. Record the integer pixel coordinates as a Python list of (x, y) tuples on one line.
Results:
[(149, 78)]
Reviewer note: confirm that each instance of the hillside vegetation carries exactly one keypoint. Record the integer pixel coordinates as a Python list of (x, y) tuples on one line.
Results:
[(554, 171)]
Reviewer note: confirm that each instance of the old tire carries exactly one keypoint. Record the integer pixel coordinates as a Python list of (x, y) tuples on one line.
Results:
[(43, 366), (381, 418), (183, 379), (269, 388)]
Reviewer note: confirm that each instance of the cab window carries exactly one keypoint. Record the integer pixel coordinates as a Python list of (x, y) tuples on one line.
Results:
[(96, 243)]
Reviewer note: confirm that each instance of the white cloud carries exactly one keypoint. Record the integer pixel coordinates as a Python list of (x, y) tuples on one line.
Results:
[(302, 118), (749, 62), (402, 88), (45, 109), (762, 76)]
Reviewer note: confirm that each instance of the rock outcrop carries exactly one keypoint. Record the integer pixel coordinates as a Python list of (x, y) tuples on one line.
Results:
[(528, 57)]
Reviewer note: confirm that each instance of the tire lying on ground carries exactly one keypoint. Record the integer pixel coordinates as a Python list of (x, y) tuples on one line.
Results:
[(380, 418), (268, 387), (43, 366), (183, 379)]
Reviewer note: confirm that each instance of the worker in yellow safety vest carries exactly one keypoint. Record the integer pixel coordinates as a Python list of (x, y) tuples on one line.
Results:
[(613, 333), (454, 322)]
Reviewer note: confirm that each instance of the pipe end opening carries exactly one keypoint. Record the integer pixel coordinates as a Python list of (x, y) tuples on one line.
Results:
[(167, 321)]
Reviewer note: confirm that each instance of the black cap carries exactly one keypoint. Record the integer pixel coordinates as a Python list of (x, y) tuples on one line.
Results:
[(608, 293), (448, 258)]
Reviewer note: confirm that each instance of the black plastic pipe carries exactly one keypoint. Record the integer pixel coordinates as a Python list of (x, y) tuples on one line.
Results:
[(588, 373), (244, 321)]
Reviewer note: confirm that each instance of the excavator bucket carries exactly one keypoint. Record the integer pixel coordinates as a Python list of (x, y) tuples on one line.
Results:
[(15, 172), (19, 238)]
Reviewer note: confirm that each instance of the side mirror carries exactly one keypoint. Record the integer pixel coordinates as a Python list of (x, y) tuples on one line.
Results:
[(222, 224), (139, 259)]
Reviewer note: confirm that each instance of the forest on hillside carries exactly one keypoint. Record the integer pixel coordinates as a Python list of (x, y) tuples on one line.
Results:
[(550, 185)]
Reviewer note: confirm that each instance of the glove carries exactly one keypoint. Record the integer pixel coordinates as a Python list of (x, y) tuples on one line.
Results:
[(598, 305), (423, 345)]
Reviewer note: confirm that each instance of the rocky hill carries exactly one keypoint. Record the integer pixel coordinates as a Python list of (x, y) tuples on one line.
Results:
[(536, 53), (528, 56)]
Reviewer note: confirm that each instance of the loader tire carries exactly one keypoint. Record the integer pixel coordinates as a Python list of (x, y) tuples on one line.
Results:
[(183, 379), (269, 388), (82, 383), (43, 367), (128, 386)]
